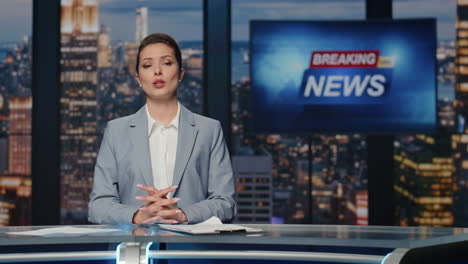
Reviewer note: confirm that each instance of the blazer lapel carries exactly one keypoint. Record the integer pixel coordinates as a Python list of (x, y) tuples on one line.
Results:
[(139, 137), (185, 142)]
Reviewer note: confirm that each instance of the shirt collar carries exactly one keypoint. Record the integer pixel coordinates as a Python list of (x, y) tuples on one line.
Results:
[(175, 121), (152, 124)]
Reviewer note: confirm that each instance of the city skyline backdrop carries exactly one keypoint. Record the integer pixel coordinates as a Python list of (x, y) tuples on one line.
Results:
[(184, 19)]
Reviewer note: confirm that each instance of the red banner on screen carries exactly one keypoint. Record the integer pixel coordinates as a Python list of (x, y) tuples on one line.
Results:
[(345, 59)]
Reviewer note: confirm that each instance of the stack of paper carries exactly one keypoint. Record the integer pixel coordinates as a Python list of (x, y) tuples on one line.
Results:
[(63, 230), (210, 226)]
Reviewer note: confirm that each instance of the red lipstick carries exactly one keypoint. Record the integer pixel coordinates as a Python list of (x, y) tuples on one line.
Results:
[(159, 83)]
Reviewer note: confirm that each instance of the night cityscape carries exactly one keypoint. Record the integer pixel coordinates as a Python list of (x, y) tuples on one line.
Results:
[(271, 171), (15, 132)]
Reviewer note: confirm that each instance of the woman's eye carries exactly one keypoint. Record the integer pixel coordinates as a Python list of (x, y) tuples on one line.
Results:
[(168, 63), (146, 66)]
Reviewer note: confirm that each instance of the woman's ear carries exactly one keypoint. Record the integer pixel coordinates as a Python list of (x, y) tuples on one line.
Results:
[(181, 74), (137, 78)]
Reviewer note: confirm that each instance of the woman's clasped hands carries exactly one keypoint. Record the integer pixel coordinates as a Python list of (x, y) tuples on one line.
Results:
[(158, 208)]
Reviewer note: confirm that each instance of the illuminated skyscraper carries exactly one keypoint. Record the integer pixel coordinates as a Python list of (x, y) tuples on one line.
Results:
[(130, 56), (3, 155), (362, 207), (79, 17), (424, 178), (461, 88), (79, 78), (19, 154), (104, 48), (460, 142), (446, 114), (15, 181), (460, 158), (141, 24), (252, 175)]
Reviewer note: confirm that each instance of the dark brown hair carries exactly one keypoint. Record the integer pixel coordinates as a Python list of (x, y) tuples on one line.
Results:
[(160, 38)]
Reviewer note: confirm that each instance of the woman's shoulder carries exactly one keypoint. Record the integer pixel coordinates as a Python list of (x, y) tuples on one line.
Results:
[(199, 120), (122, 122), (207, 122)]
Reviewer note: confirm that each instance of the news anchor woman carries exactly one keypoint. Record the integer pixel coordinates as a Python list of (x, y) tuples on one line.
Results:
[(164, 163)]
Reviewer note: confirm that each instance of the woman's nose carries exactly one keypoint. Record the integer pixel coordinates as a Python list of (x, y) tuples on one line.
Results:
[(157, 70)]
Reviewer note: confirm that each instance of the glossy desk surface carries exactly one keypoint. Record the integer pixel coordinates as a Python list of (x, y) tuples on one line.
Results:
[(325, 235)]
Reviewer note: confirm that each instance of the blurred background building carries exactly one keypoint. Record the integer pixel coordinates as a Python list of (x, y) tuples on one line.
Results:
[(78, 104), (252, 177)]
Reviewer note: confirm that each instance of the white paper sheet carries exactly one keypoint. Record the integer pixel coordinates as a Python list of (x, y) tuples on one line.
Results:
[(63, 230), (210, 226)]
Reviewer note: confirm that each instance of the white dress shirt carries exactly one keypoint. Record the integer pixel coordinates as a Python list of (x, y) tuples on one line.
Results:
[(163, 147)]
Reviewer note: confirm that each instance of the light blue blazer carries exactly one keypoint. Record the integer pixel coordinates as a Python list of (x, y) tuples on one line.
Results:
[(203, 171)]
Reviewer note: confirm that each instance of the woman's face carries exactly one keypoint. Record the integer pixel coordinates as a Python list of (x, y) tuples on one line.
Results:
[(158, 72)]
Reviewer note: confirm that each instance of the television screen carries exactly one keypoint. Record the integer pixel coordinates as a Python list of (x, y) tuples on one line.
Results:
[(343, 76)]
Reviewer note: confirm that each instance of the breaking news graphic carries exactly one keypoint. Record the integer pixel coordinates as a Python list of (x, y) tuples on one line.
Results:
[(343, 76)]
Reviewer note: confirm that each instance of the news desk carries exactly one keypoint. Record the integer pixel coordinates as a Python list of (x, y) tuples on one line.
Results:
[(290, 243)]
